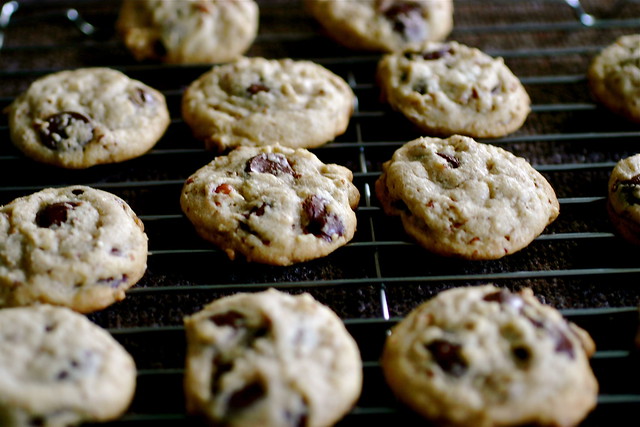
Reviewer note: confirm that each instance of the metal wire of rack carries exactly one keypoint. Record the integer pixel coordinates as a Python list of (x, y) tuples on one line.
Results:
[(578, 265)]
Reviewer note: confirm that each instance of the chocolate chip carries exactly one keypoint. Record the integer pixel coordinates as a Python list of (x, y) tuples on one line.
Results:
[(77, 192), (563, 343), (406, 18), (56, 128), (54, 214), (521, 354), (503, 296), (257, 88), (230, 318), (453, 162), (433, 55), (113, 282), (629, 189), (273, 163), (448, 356), (142, 97), (318, 221), (247, 396)]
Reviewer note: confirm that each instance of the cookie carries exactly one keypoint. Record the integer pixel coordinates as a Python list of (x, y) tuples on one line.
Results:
[(188, 31), (483, 356), (270, 359), (458, 197), (74, 246), (623, 201), (258, 101), (449, 88), (272, 204), (383, 25), (58, 369), (614, 77), (85, 117)]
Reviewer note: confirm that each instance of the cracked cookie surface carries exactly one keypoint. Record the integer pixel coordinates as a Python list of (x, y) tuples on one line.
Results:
[(84, 117), (484, 356), (188, 31), (383, 25), (458, 197), (270, 359), (257, 101), (614, 77), (449, 88), (58, 369), (272, 204), (74, 246)]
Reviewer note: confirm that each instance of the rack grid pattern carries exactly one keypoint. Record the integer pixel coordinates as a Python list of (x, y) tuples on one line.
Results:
[(578, 265)]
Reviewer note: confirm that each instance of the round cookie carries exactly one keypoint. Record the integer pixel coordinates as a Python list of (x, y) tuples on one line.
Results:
[(483, 356), (57, 369), (458, 197), (188, 31), (449, 88), (623, 202), (614, 77), (383, 25), (272, 204), (74, 246), (85, 117), (270, 359), (258, 101)]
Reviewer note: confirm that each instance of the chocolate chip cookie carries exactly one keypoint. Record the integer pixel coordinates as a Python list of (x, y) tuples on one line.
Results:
[(614, 77), (258, 101), (458, 197), (484, 356), (57, 368), (623, 202), (188, 31), (449, 88), (383, 25), (85, 117), (270, 359), (73, 246), (272, 204)]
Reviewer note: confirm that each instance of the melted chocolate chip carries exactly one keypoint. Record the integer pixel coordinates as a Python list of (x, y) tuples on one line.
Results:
[(448, 356), (563, 343), (142, 97), (521, 354), (54, 214), (453, 162), (503, 296), (247, 396), (113, 282), (273, 163), (230, 318), (406, 18), (56, 128), (433, 55), (318, 221), (629, 189), (77, 192), (257, 88)]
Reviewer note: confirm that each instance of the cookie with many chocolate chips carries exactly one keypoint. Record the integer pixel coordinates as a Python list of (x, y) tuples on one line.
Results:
[(614, 77), (188, 31), (484, 356), (270, 359), (272, 204), (58, 369), (449, 88), (458, 197), (258, 101), (73, 246), (383, 25), (80, 118), (623, 201)]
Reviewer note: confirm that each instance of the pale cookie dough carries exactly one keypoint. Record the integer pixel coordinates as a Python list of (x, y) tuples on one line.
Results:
[(270, 359), (258, 101), (188, 31), (85, 117), (58, 369), (383, 25), (483, 356), (449, 88), (623, 202), (614, 77), (272, 204), (74, 246), (458, 197)]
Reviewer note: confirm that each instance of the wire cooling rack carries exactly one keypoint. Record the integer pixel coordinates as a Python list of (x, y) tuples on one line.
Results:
[(578, 265)]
